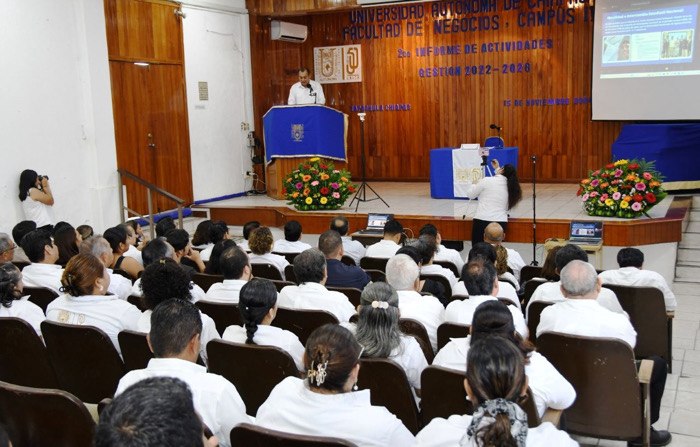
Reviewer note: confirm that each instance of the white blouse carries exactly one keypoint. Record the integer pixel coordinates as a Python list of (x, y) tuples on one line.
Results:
[(270, 336), (25, 310)]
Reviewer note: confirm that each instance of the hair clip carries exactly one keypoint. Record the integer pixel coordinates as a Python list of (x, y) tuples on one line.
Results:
[(380, 304), (319, 373), (162, 261)]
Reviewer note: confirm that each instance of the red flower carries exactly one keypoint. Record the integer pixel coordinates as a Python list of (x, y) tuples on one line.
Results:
[(307, 166), (323, 166), (325, 191), (605, 176), (651, 198), (633, 167), (284, 190), (594, 173), (639, 198), (580, 190), (610, 166), (351, 189)]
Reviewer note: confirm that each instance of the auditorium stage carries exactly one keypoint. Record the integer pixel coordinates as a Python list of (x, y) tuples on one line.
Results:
[(557, 206)]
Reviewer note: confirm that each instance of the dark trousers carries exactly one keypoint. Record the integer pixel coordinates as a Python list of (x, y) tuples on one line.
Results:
[(478, 227), (657, 385)]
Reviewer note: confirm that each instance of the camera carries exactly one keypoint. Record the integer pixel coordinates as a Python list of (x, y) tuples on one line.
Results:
[(42, 177)]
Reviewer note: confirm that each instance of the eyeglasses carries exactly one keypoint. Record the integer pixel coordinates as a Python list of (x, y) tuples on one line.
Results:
[(9, 249)]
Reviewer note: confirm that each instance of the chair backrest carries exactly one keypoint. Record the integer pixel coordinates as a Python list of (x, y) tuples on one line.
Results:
[(449, 265), (223, 314), (493, 142), (85, 360), (288, 256), (41, 296), (352, 293), (250, 435), (446, 331), (374, 263), (647, 311), (254, 370), (137, 301), (20, 265), (529, 289), (442, 280), (125, 274), (289, 274), (414, 328), (533, 317), (23, 357), (389, 388), (347, 260), (530, 271), (603, 373), (205, 280), (442, 393), (376, 275), (135, 350), (279, 285), (267, 271), (42, 417), (302, 322)]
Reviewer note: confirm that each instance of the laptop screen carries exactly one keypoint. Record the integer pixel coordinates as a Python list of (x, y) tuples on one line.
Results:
[(377, 221), (582, 230)]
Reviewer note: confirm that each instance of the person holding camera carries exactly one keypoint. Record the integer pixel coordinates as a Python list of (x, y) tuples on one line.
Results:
[(37, 199)]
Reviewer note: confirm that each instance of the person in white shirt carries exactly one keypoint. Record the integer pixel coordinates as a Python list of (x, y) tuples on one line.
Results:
[(482, 285), (248, 227), (99, 248), (351, 248), (188, 258), (494, 235), (379, 333), (236, 270), (12, 303), (260, 245), (292, 239), (36, 197), (163, 280), (630, 273), (428, 250), (497, 195), (175, 340), (154, 411), (200, 238), (550, 292), (323, 404), (133, 251), (495, 381), (85, 283), (443, 253), (310, 271), (389, 245), (43, 271), (582, 314), (218, 231), (213, 267), (403, 275), (549, 387), (118, 240), (306, 91), (258, 306)]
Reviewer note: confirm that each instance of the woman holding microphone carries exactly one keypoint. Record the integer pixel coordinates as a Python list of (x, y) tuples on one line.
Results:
[(35, 195), (497, 195)]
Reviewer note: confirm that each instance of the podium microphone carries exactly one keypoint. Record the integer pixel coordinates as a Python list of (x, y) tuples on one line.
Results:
[(495, 127)]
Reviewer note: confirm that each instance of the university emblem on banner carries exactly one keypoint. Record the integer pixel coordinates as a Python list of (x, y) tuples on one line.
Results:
[(328, 61), (334, 65), (297, 132)]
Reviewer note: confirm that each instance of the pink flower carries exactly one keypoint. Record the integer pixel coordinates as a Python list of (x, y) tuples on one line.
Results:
[(640, 186), (647, 176), (314, 183), (336, 195), (604, 197), (335, 171), (616, 196), (594, 193), (636, 206), (585, 197), (618, 173), (595, 183), (298, 185), (335, 186)]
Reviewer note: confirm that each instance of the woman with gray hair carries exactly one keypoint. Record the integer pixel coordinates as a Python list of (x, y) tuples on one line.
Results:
[(378, 331)]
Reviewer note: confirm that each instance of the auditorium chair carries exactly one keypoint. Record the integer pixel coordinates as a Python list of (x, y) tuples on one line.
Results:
[(125, 274), (205, 280), (442, 280), (41, 296), (530, 271), (279, 285), (376, 275), (449, 265), (415, 329), (137, 301), (352, 293), (290, 275), (20, 265), (529, 289), (302, 322), (251, 435), (347, 260), (533, 318), (374, 263), (288, 256), (267, 271), (223, 314), (447, 331), (23, 357), (135, 349)]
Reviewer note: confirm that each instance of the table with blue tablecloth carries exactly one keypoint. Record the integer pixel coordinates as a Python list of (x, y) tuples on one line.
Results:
[(441, 168)]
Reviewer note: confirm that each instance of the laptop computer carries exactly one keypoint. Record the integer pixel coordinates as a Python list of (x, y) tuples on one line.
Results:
[(376, 222), (586, 232)]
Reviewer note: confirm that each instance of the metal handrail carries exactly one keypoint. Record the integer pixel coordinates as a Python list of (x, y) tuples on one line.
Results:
[(150, 188)]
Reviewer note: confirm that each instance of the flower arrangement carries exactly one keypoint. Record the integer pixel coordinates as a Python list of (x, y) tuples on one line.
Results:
[(317, 185), (624, 189)]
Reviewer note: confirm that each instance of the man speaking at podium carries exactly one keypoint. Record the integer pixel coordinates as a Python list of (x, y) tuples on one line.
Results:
[(306, 91)]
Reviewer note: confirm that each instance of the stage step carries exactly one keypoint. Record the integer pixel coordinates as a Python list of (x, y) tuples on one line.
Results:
[(693, 227), (688, 256), (690, 240), (686, 273), (694, 215)]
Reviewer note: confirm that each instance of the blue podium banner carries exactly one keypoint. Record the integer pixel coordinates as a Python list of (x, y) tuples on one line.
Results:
[(305, 131)]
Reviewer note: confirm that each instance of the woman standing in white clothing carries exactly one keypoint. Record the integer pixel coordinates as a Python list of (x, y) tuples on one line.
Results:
[(497, 195), (37, 200)]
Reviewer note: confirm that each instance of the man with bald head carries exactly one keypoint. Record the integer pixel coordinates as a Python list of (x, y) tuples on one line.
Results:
[(494, 235)]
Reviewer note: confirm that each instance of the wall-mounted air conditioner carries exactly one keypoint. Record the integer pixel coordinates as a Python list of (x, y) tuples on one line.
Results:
[(291, 32)]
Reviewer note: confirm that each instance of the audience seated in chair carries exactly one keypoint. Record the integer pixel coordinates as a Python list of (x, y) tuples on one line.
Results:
[(99, 248), (84, 302), (502, 267), (164, 225), (443, 253), (118, 240), (258, 307), (402, 273), (248, 227), (311, 274), (340, 275), (495, 382), (236, 271), (43, 254), (18, 232), (389, 245), (213, 267), (175, 339), (630, 273), (494, 235), (68, 241), (428, 256), (292, 239), (549, 267), (323, 404), (218, 231), (418, 251), (12, 303), (351, 248), (485, 252), (582, 314), (189, 259), (260, 245), (200, 238), (135, 239)]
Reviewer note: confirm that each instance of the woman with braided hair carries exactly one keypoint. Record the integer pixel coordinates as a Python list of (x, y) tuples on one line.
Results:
[(85, 301), (495, 383), (258, 307), (12, 303), (325, 403)]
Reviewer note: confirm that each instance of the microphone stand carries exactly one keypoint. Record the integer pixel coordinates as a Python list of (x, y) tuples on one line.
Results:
[(363, 187), (534, 211)]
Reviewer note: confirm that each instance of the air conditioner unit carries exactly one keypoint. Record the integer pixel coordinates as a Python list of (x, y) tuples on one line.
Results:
[(290, 32)]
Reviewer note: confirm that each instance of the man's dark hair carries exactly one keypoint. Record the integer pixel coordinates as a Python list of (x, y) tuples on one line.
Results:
[(411, 251), (217, 231), (33, 244), (423, 250), (329, 242), (155, 250), (393, 227), (248, 227), (484, 251), (429, 229), (173, 324), (22, 229), (115, 236), (309, 265), (163, 280), (340, 224), (178, 239), (630, 257), (232, 262), (569, 253), (479, 277), (164, 225), (292, 231), (153, 411)]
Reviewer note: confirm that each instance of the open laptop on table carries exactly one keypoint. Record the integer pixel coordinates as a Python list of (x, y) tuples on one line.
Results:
[(586, 232), (375, 223)]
